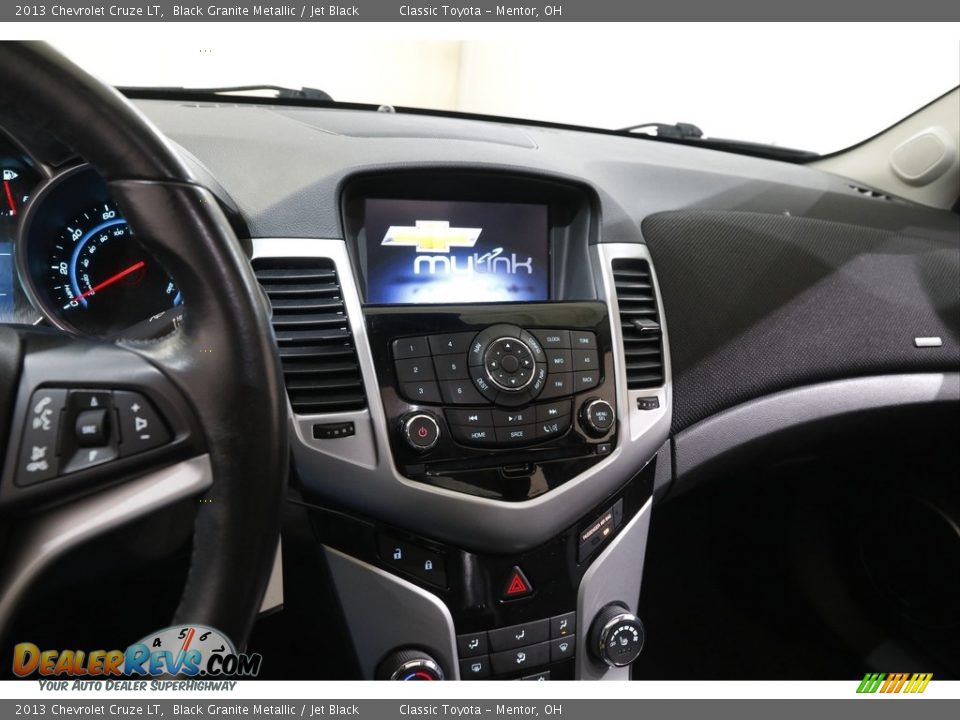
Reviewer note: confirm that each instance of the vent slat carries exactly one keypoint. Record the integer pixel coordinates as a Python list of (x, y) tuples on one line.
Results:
[(643, 350), (319, 360)]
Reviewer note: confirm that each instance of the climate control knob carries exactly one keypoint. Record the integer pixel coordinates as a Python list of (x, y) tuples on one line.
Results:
[(616, 636), (409, 664), (597, 416), (420, 431)]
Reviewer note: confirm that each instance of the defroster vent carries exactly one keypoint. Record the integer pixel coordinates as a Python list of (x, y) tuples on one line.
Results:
[(639, 322), (319, 359)]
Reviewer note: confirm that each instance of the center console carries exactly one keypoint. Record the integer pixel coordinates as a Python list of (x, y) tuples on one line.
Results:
[(479, 390)]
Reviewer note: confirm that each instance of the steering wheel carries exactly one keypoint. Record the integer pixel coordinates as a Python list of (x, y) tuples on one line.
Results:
[(213, 385)]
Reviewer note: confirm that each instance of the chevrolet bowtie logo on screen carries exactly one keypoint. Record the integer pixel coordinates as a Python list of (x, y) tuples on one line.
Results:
[(432, 236), (431, 251)]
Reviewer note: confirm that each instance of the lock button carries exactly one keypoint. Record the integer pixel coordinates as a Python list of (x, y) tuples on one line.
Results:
[(413, 559)]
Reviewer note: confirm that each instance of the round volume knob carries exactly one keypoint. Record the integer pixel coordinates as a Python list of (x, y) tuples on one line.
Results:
[(616, 636), (597, 416), (420, 431), (409, 664)]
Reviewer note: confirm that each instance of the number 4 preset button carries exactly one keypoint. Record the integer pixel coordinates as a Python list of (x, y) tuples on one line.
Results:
[(140, 425)]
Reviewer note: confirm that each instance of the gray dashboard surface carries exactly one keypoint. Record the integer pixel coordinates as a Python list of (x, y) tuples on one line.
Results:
[(284, 167)]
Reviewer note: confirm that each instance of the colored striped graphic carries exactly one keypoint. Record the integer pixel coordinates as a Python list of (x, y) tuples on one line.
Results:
[(894, 682)]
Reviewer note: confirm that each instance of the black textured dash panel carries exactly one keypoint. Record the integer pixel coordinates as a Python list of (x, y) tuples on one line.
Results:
[(759, 303)]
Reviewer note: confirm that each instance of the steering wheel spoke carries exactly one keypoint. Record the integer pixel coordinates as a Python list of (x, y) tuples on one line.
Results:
[(86, 415)]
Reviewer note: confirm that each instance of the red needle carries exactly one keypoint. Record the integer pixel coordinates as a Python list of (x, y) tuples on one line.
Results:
[(111, 280), (10, 200)]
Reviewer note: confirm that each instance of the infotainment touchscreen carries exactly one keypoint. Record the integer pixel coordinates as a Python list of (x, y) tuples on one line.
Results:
[(427, 251)]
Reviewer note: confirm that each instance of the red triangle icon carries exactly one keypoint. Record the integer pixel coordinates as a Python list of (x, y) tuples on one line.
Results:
[(517, 585)]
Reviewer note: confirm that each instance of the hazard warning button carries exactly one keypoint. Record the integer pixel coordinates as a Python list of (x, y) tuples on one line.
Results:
[(517, 585)]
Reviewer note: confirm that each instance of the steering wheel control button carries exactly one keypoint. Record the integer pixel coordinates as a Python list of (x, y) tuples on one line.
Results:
[(616, 636), (553, 339), (521, 635), (521, 658), (420, 431), (414, 347), (563, 625), (475, 668), (38, 447), (84, 458), (78, 400), (597, 416), (426, 392), (516, 586), (141, 427), (91, 428), (472, 644)]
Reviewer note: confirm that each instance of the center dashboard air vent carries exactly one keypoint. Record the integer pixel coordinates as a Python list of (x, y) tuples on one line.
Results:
[(316, 347), (639, 323)]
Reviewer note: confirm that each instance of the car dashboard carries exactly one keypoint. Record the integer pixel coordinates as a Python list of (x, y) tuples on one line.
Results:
[(502, 343)]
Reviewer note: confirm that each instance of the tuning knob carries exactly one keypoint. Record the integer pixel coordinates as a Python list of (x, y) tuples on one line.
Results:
[(616, 636), (597, 416), (409, 664)]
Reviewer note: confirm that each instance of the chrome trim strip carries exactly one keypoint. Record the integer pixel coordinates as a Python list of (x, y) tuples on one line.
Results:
[(273, 596), (385, 613), (54, 533), (359, 472), (613, 577)]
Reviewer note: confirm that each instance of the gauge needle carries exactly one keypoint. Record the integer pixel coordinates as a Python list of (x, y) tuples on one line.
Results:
[(112, 279), (10, 200)]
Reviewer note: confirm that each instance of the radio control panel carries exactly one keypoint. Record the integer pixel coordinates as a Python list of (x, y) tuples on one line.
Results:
[(508, 401)]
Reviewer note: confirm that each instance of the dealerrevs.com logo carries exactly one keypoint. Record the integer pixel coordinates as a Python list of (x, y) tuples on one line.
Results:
[(190, 651), (887, 683)]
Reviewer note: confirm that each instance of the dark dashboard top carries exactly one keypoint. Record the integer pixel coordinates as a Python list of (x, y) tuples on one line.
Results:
[(284, 168)]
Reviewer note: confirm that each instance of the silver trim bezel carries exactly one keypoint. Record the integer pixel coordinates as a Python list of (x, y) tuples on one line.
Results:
[(359, 472)]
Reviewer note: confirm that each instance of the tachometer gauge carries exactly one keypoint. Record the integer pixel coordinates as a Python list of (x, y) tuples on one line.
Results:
[(82, 265)]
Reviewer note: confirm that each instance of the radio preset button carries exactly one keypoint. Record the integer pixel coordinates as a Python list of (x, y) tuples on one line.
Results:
[(413, 347), (451, 367), (414, 370), (421, 392), (450, 343), (460, 392)]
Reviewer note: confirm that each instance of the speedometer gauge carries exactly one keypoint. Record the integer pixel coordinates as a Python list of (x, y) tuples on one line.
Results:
[(82, 266), (99, 276)]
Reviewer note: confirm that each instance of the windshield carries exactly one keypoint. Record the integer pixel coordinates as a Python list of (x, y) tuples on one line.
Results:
[(746, 83)]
